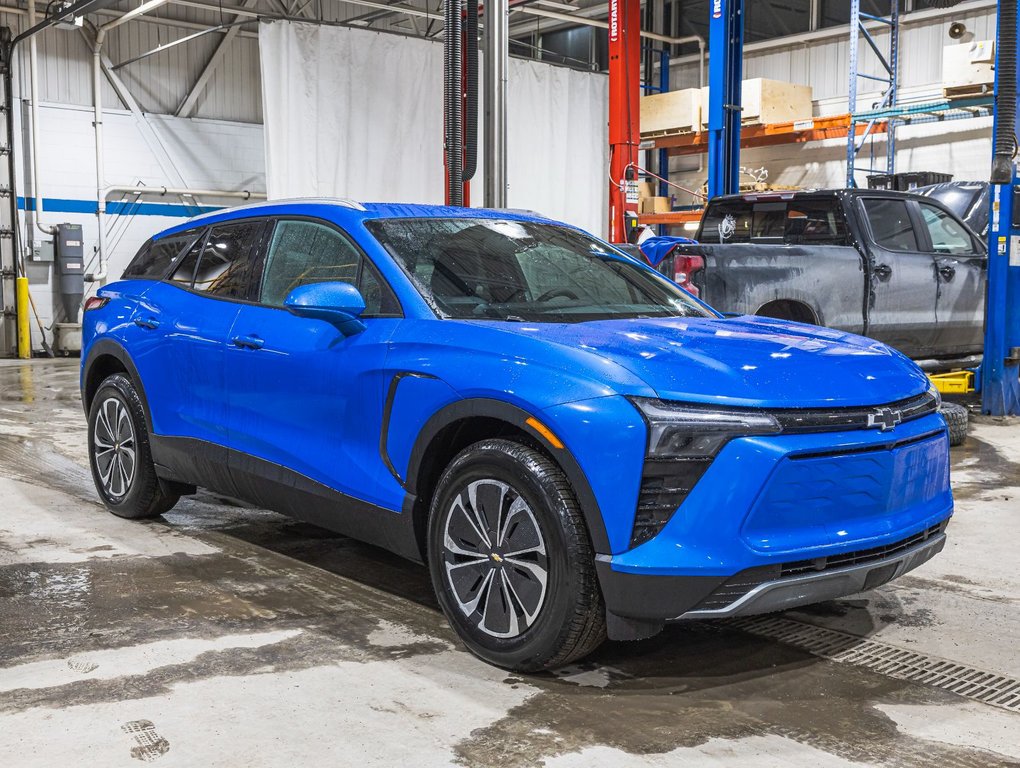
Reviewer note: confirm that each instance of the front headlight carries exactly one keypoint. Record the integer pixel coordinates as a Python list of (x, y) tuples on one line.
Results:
[(682, 431), (934, 392), (682, 441)]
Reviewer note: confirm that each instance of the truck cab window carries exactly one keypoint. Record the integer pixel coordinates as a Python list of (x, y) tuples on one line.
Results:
[(947, 235), (728, 222), (769, 223), (815, 222), (890, 224)]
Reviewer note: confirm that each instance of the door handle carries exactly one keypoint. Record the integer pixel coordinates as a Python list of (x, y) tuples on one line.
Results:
[(947, 272), (146, 322), (251, 341), (883, 271)]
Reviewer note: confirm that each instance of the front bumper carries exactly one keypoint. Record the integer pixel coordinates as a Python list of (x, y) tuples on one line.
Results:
[(788, 520), (765, 589), (787, 592)]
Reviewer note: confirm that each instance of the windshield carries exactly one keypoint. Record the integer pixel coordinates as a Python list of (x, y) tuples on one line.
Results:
[(521, 270)]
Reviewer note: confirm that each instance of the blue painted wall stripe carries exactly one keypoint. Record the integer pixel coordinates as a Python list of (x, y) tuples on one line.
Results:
[(62, 205)]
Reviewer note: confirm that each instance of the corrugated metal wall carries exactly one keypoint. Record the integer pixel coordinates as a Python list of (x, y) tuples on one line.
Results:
[(160, 82)]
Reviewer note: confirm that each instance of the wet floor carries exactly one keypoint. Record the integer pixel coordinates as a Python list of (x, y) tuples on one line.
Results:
[(225, 636)]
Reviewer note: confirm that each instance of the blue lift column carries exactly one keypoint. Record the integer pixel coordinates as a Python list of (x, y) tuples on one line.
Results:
[(725, 70), (1000, 368)]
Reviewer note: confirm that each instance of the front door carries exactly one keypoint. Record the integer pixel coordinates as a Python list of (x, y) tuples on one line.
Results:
[(303, 396), (961, 266), (901, 311)]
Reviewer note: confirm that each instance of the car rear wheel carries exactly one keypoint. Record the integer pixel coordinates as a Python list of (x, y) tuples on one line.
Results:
[(119, 453), (511, 560)]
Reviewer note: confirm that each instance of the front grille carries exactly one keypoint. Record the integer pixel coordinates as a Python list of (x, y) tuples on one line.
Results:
[(801, 420), (666, 483), (739, 585)]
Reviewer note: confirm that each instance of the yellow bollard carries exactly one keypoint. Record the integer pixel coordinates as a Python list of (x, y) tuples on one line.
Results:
[(24, 332)]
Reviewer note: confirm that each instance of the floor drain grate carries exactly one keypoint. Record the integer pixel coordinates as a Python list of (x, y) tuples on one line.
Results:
[(991, 688)]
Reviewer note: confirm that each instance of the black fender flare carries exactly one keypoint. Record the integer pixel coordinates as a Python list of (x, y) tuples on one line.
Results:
[(111, 348), (518, 417)]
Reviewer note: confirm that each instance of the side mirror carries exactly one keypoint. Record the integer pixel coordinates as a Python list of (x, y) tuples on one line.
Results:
[(339, 304)]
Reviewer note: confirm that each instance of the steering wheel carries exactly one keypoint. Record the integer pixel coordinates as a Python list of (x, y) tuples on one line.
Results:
[(555, 292)]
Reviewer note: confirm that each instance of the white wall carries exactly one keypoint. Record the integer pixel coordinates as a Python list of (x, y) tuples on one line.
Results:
[(209, 154)]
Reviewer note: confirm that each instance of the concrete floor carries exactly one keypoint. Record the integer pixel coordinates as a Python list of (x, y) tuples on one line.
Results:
[(225, 636)]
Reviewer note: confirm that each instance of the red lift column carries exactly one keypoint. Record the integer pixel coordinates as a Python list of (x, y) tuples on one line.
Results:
[(624, 128)]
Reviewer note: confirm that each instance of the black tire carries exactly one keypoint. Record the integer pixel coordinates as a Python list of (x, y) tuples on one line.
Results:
[(563, 620), (957, 418), (128, 486)]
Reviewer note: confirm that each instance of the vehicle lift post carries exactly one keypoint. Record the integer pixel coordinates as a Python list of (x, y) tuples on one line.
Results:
[(726, 36), (624, 126), (725, 70), (1000, 368)]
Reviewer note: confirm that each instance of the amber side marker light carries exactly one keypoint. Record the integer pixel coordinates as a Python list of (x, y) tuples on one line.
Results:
[(544, 431)]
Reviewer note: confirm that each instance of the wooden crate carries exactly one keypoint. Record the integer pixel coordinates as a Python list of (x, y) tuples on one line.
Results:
[(768, 101), (670, 112), (968, 69)]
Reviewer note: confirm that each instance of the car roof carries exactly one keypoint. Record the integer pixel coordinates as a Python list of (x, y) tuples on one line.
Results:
[(345, 211)]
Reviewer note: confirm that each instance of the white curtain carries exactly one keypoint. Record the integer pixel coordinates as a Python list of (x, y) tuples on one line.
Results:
[(356, 113)]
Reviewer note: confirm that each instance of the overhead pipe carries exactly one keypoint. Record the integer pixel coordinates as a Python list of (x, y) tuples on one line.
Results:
[(471, 90), (33, 105), (453, 104), (243, 194), (1004, 140), (497, 54)]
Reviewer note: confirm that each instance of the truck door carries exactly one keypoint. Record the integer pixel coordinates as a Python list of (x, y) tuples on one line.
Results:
[(901, 309), (961, 269)]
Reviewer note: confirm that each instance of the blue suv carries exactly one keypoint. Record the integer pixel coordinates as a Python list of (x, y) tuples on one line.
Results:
[(577, 447)]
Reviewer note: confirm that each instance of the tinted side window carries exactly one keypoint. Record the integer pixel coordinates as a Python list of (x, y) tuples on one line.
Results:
[(947, 235), (818, 222), (184, 274), (303, 252), (225, 263), (890, 224), (156, 256), (727, 223)]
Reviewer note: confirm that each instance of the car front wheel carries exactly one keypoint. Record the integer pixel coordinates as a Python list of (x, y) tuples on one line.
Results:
[(511, 560)]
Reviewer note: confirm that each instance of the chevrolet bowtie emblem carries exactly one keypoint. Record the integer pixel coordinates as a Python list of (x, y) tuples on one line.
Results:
[(884, 418)]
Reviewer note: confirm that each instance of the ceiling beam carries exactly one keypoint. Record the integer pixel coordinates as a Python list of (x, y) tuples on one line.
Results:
[(190, 100)]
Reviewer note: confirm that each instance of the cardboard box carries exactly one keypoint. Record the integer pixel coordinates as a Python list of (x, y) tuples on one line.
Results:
[(670, 112), (968, 68), (768, 101), (646, 189), (656, 205)]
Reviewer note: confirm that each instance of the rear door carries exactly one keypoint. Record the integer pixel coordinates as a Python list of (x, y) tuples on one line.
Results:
[(190, 315), (961, 265), (901, 310)]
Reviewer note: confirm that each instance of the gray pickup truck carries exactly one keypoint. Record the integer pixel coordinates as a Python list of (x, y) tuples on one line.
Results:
[(897, 267)]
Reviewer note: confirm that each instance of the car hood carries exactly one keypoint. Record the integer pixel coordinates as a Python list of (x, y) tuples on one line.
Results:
[(744, 361)]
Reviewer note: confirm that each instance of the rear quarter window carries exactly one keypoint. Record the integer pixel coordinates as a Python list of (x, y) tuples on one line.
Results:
[(157, 257)]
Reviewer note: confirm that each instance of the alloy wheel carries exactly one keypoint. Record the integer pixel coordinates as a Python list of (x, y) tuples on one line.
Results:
[(495, 558), (114, 447)]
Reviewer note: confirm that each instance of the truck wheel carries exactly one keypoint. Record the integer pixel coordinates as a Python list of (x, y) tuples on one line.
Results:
[(119, 453), (511, 561), (957, 418)]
